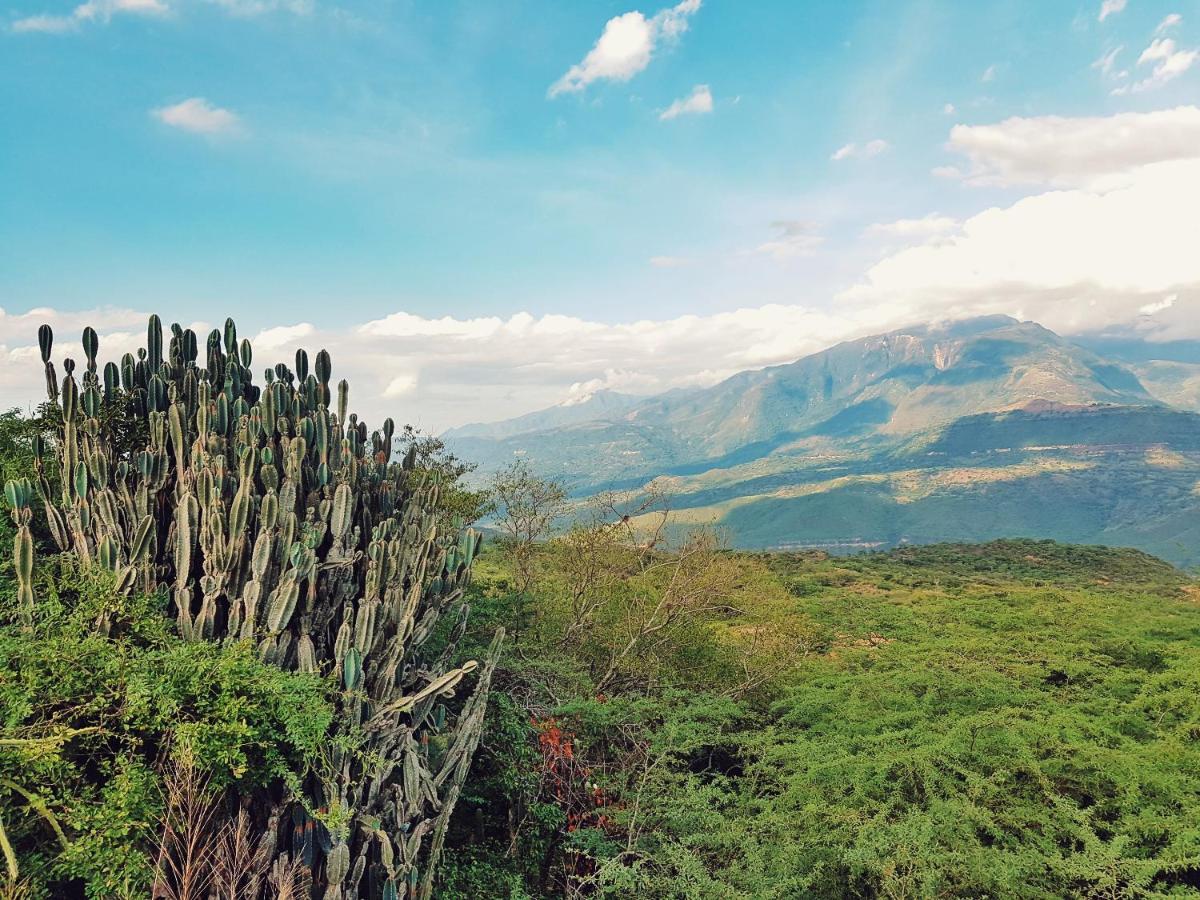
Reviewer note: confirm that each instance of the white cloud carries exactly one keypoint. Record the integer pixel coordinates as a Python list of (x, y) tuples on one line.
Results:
[(1169, 63), (928, 226), (1074, 260), (199, 116), (1108, 61), (103, 11), (282, 336), (1064, 151), (401, 386), (1151, 309), (948, 109), (92, 11), (794, 239), (698, 101), (626, 47), (669, 262), (261, 7), (989, 74), (1168, 23), (854, 151), (1111, 8)]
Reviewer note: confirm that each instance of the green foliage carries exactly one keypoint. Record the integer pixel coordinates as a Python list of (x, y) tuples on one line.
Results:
[(998, 738), (87, 717), (457, 502), (1016, 719)]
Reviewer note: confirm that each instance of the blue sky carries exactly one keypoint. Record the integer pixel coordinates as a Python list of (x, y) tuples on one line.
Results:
[(323, 165)]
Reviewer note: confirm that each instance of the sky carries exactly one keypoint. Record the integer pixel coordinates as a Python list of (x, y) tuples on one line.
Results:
[(485, 207)]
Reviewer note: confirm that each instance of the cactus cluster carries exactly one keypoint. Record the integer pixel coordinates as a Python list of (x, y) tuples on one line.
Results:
[(268, 515)]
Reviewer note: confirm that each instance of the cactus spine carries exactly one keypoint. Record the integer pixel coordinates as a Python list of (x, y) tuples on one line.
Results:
[(267, 516)]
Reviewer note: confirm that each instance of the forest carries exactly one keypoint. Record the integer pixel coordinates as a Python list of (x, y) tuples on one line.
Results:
[(250, 648)]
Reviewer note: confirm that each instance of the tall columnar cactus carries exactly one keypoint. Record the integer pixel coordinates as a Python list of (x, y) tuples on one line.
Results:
[(19, 493), (268, 517)]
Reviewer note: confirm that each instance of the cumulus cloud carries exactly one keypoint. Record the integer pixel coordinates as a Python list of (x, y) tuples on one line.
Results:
[(282, 336), (92, 11), (626, 47), (1063, 151), (198, 116), (1075, 260), (794, 239), (855, 151), (1111, 8), (698, 101), (948, 109), (928, 226), (1167, 62)]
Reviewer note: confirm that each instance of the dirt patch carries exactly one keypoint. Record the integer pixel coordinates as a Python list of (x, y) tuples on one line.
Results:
[(869, 641)]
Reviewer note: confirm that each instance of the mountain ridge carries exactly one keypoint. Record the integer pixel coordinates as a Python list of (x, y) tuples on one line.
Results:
[(882, 386), (986, 428)]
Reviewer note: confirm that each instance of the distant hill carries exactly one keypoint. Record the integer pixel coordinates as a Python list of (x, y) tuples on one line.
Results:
[(1170, 370), (980, 429), (596, 405)]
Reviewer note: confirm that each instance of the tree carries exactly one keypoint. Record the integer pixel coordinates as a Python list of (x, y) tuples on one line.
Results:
[(457, 503), (527, 507)]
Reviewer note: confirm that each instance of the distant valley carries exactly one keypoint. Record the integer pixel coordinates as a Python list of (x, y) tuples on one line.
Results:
[(984, 428)]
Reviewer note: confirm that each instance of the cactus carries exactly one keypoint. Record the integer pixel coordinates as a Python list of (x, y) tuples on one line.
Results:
[(267, 516), (19, 494)]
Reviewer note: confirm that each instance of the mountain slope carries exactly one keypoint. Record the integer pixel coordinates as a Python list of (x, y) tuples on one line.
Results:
[(983, 429), (873, 390), (1170, 370), (597, 405)]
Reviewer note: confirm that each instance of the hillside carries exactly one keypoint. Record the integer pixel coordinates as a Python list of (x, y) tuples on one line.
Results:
[(982, 429)]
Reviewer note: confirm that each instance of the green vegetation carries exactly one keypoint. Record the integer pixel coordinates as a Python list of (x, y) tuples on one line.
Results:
[(86, 714), (1015, 719)]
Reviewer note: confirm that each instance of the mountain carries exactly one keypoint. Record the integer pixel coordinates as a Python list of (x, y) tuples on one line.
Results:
[(882, 387), (984, 428), (1176, 383), (1170, 370), (600, 404)]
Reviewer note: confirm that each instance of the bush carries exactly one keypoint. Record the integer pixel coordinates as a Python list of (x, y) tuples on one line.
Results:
[(94, 700)]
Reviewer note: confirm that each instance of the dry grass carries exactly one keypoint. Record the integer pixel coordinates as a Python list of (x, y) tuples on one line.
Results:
[(15, 890), (205, 854)]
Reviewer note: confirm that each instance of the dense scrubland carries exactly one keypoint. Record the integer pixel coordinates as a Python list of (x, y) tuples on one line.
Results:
[(1015, 719), (666, 718)]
